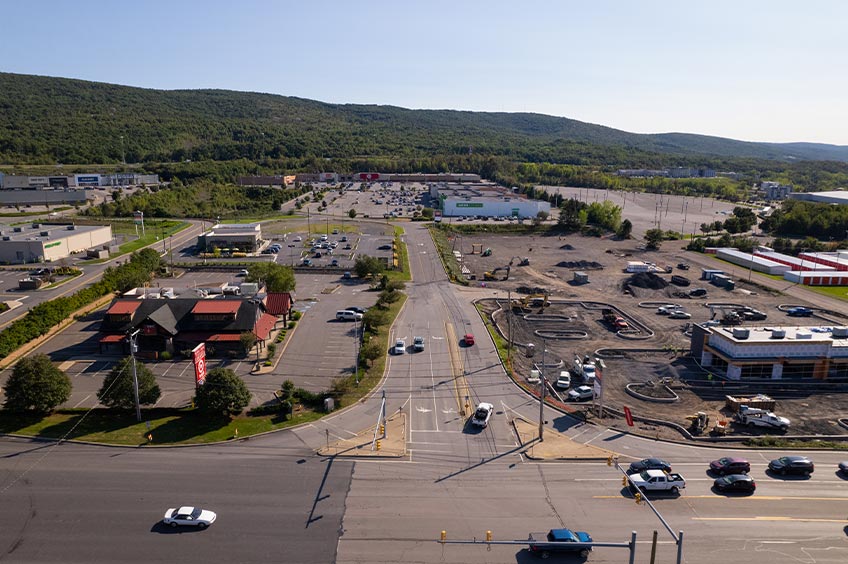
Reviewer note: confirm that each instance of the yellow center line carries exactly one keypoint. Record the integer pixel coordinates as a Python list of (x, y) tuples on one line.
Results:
[(769, 518), (740, 498)]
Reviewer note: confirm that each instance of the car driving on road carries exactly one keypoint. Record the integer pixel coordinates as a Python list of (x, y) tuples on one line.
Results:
[(792, 465), (482, 414), (735, 483), (400, 347), (649, 464), (191, 516), (418, 344), (730, 465)]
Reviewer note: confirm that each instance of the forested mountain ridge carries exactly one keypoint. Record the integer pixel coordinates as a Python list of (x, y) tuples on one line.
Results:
[(49, 120)]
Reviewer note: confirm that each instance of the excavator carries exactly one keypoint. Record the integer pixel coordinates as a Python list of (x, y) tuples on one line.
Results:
[(525, 304), (491, 274), (729, 316), (525, 261)]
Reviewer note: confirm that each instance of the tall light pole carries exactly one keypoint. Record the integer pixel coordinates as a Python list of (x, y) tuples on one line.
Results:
[(133, 340), (358, 347), (542, 395)]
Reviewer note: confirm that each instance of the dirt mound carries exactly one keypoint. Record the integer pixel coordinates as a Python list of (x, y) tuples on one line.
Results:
[(567, 247), (647, 280), (531, 290), (581, 264)]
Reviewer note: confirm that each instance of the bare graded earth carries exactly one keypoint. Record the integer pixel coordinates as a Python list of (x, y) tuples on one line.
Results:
[(657, 353)]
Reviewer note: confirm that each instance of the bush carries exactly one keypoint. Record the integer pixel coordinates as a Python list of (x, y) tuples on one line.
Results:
[(223, 391), (296, 315), (291, 324), (165, 355), (272, 348)]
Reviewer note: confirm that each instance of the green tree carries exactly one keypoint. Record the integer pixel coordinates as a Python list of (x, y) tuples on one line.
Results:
[(625, 229), (223, 392), (654, 238), (276, 277), (351, 213), (371, 351), (36, 385), (117, 388), (365, 265), (247, 340)]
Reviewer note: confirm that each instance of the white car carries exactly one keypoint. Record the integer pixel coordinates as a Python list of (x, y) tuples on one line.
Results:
[(187, 515), (581, 393), (564, 380), (243, 272), (667, 309), (679, 314), (298, 239), (400, 347), (482, 415), (418, 344)]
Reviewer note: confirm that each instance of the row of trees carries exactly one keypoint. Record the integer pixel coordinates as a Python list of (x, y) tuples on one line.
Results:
[(799, 218), (38, 386)]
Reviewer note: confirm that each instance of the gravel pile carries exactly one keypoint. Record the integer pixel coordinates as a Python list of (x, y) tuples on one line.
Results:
[(581, 264), (567, 247), (647, 280), (531, 290)]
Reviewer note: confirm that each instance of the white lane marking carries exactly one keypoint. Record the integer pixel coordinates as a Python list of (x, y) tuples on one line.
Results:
[(82, 401)]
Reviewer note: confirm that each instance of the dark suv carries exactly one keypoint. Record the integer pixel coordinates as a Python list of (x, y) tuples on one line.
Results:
[(729, 465), (792, 465)]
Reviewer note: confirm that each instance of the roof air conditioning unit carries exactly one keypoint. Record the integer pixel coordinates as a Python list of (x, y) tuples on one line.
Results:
[(803, 335), (740, 333), (778, 333), (840, 332)]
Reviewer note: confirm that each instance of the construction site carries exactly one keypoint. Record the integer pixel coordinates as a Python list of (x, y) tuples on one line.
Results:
[(636, 328)]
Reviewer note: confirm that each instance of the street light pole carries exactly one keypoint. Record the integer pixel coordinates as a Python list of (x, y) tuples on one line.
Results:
[(542, 395), (356, 341), (133, 338)]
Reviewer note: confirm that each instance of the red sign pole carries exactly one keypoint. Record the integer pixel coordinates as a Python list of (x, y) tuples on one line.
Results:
[(198, 356), (628, 416)]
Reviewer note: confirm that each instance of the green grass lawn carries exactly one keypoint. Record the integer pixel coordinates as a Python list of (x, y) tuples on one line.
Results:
[(166, 426)]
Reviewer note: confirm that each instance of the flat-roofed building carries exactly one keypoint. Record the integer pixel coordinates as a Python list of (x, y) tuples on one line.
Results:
[(242, 237), (773, 353), (44, 243)]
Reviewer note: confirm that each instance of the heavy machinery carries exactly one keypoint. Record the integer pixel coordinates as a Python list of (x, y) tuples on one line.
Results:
[(491, 275), (525, 304), (522, 261), (699, 422), (486, 253), (729, 316)]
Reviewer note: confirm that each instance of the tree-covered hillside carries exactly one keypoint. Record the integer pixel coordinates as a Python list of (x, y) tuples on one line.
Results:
[(46, 120)]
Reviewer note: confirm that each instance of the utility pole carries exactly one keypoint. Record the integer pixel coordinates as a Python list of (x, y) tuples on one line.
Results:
[(542, 395), (133, 338), (509, 327), (356, 339)]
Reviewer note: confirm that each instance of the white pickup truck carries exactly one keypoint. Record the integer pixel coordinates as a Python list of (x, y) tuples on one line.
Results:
[(761, 418), (657, 481)]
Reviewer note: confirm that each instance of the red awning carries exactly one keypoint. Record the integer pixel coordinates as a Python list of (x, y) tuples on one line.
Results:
[(124, 307), (112, 338), (264, 326), (217, 306), (224, 337)]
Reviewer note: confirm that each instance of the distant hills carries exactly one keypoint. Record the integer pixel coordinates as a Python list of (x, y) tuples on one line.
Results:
[(46, 120)]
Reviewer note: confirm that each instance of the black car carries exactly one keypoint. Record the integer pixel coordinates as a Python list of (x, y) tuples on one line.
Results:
[(649, 464), (730, 465), (735, 483), (792, 465), (843, 467)]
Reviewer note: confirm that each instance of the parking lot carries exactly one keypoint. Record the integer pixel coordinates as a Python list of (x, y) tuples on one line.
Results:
[(320, 350)]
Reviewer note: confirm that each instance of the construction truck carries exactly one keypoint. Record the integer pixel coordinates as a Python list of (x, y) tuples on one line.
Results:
[(755, 417)]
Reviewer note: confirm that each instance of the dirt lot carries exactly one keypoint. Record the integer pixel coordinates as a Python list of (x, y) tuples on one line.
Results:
[(573, 325)]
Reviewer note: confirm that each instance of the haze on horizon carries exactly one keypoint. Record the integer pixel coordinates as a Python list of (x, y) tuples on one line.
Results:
[(754, 71)]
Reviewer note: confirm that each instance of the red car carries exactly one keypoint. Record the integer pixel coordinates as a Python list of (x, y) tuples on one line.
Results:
[(468, 339)]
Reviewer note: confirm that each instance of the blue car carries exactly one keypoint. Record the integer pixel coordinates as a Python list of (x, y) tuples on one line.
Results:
[(556, 541), (799, 312)]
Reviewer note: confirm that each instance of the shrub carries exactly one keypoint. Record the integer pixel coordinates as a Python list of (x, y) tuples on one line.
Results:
[(165, 355)]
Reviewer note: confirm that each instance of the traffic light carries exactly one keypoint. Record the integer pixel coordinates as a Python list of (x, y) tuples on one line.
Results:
[(444, 536), (382, 429), (624, 480), (378, 444), (609, 460), (638, 498), (488, 536)]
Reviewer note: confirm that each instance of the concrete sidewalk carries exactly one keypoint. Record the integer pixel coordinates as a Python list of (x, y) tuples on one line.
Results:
[(393, 445), (556, 446)]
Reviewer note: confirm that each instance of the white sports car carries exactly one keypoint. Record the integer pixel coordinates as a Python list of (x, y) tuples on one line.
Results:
[(186, 515)]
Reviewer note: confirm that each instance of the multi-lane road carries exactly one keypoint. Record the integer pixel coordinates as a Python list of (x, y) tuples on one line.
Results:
[(278, 501)]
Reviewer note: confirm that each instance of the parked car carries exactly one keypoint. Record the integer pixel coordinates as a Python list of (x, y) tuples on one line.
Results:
[(347, 275), (799, 312), (730, 465), (384, 248), (418, 344), (400, 347), (667, 309), (564, 380), (683, 265), (482, 414), (357, 309), (649, 464), (468, 339), (187, 515), (243, 272), (581, 393), (679, 314), (334, 262), (307, 262), (347, 315), (298, 239), (735, 483), (792, 465)]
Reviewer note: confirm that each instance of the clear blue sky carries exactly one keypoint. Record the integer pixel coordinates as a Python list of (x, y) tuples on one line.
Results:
[(747, 69)]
